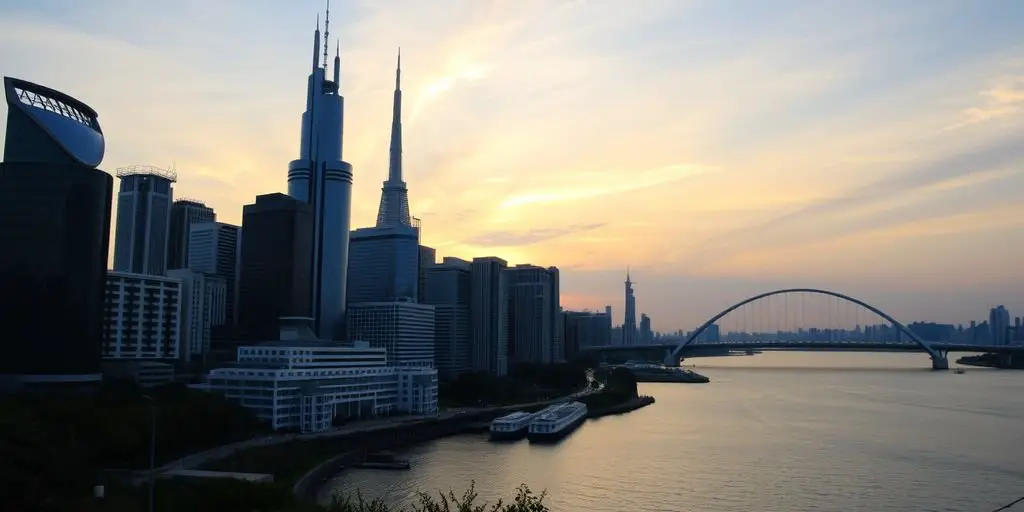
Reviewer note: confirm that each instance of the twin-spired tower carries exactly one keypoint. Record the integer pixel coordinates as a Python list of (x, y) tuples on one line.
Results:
[(321, 178)]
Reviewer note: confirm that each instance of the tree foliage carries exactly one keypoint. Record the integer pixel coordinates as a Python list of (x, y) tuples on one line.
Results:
[(525, 382), (55, 447)]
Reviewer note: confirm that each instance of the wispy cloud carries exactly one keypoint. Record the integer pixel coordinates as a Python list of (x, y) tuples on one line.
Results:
[(795, 139)]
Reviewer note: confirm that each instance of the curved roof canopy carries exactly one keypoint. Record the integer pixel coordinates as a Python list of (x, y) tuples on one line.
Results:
[(46, 125)]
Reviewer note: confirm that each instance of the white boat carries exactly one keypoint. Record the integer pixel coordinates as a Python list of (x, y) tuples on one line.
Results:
[(511, 426), (557, 421)]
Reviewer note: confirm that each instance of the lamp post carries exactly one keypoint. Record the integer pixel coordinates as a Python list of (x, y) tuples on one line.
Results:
[(152, 447)]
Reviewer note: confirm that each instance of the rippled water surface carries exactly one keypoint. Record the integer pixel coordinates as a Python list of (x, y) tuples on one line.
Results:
[(774, 432)]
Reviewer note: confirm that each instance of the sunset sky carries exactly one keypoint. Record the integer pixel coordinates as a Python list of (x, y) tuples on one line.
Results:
[(719, 148)]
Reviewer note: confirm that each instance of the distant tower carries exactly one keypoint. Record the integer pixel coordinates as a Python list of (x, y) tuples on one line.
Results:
[(629, 322), (321, 178), (394, 196), (143, 219)]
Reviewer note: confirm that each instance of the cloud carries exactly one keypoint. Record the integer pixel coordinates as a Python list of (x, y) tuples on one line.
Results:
[(532, 236)]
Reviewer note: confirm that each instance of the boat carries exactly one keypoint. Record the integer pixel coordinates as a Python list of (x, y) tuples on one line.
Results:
[(556, 422), (511, 426)]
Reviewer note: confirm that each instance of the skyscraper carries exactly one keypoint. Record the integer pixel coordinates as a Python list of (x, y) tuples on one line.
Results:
[(999, 322), (215, 248), (629, 322), (143, 219), (646, 335), (184, 213), (394, 196), (54, 231), (275, 272), (448, 290), (489, 312), (533, 314), (321, 178), (384, 260)]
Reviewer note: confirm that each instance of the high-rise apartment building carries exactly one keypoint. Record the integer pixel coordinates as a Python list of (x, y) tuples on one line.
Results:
[(321, 178), (489, 312), (184, 213), (404, 329), (142, 315), (54, 237), (215, 248), (143, 219), (533, 314), (202, 307), (384, 264), (275, 276), (448, 289)]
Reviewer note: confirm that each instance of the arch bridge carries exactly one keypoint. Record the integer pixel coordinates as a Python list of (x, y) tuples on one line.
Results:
[(938, 356)]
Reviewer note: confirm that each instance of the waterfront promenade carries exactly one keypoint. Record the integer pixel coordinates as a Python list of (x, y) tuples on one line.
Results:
[(200, 459)]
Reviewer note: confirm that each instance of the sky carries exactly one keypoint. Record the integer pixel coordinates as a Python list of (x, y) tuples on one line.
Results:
[(719, 148)]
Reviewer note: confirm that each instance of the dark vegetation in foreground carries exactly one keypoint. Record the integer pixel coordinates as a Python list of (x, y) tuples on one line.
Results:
[(229, 495), (525, 383), (55, 447)]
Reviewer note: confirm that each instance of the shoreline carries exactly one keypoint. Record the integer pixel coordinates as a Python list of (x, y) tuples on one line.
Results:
[(307, 488)]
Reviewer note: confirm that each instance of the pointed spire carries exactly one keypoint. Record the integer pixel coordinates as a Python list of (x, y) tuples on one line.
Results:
[(316, 43), (398, 71), (337, 65)]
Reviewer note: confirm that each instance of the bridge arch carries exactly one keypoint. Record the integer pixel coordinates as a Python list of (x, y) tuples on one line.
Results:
[(935, 355)]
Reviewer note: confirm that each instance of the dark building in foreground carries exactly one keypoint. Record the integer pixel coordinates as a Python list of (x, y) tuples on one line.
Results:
[(54, 234), (276, 265)]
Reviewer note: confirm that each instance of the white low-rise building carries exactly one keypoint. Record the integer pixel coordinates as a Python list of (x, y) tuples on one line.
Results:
[(305, 384)]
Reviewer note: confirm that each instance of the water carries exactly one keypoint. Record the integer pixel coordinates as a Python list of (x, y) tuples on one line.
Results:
[(774, 432)]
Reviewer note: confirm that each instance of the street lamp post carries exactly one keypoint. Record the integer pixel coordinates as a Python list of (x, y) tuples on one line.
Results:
[(152, 447)]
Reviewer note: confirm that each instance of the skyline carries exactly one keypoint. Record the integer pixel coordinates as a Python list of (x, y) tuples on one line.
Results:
[(914, 113)]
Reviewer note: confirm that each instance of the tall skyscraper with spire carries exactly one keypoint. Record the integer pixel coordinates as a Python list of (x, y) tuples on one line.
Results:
[(321, 178), (394, 196), (385, 259), (629, 322)]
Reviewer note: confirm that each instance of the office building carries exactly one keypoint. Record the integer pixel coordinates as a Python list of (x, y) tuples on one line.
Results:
[(321, 178), (585, 329), (999, 323), (489, 312), (384, 265), (315, 382), (533, 315), (141, 317), (448, 289), (275, 276), (629, 332), (215, 248), (143, 219), (202, 307), (404, 329), (54, 234), (184, 213)]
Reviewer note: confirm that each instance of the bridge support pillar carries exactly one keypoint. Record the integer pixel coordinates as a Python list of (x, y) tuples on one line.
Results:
[(671, 361), (940, 361)]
